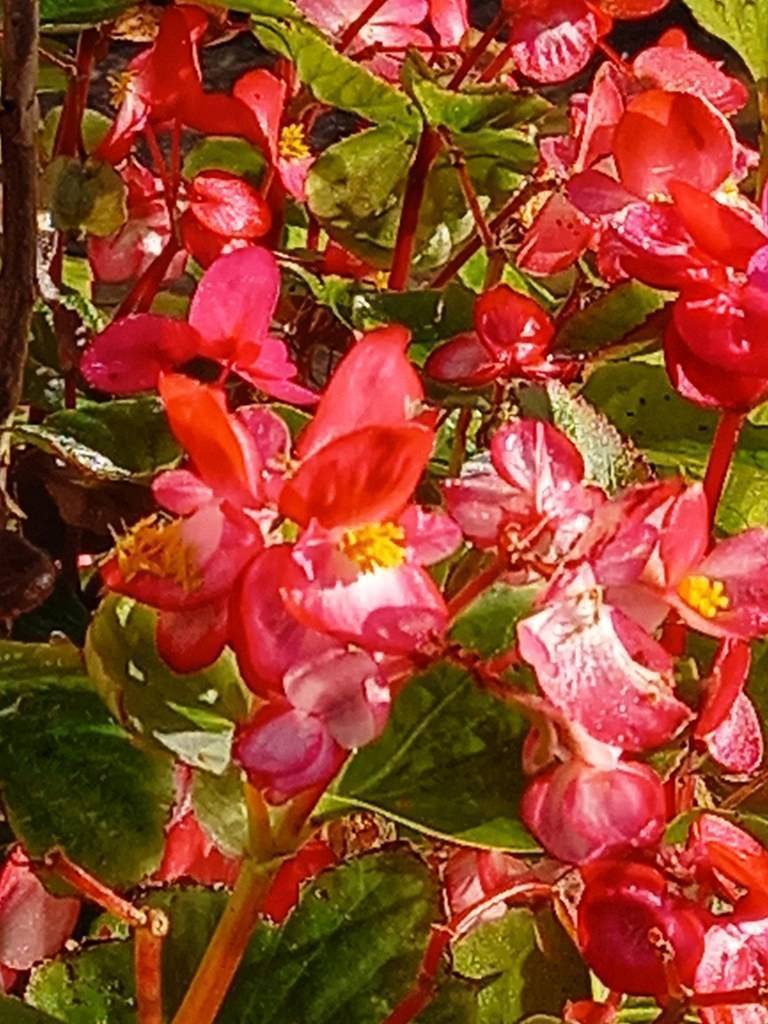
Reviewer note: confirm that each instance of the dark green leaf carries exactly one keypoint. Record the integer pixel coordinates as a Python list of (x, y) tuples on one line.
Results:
[(454, 1003), (13, 1011), (80, 12), (470, 108), (71, 778), (526, 963), (90, 196), (192, 715), (333, 78), (489, 624), (676, 436), (347, 954), (111, 440), (610, 318), (743, 24), (27, 576), (448, 764)]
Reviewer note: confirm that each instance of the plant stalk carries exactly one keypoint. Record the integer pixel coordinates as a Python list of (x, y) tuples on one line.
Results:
[(359, 22), (477, 51), (409, 219), (720, 457), (148, 968)]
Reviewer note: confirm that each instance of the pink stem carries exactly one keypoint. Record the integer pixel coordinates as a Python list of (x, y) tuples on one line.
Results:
[(359, 22), (721, 454), (409, 219)]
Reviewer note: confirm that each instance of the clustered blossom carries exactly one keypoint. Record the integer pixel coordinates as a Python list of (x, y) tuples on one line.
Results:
[(321, 534)]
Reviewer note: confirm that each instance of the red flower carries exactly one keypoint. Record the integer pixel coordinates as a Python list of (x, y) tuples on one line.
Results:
[(162, 88), (728, 724), (229, 322), (554, 39), (512, 338), (363, 545), (224, 213)]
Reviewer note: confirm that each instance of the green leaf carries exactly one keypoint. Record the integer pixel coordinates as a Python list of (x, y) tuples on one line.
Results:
[(110, 440), (743, 24), (219, 802), (454, 1003), (447, 764), (676, 436), (94, 984), (90, 196), (80, 12), (71, 777), (13, 1011), (333, 78), (470, 108), (610, 461), (226, 154), (489, 625), (526, 965), (355, 190), (95, 126), (350, 951), (610, 318), (28, 662), (122, 658)]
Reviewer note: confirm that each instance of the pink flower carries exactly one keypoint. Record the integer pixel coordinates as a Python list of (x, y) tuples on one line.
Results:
[(364, 545), (229, 322), (579, 811), (728, 724), (531, 502), (554, 39), (600, 668)]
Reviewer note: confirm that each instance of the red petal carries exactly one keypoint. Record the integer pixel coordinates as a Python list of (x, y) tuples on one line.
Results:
[(671, 136), (462, 360), (235, 300), (374, 384), (630, 9), (556, 239), (737, 743), (264, 95), (680, 69), (553, 39), (131, 353), (513, 327), (283, 894), (364, 477), (194, 638), (721, 232), (228, 205)]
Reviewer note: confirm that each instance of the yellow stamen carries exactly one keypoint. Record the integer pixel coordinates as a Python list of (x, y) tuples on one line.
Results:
[(120, 87), (705, 596), (293, 142), (375, 546), (158, 548), (381, 279)]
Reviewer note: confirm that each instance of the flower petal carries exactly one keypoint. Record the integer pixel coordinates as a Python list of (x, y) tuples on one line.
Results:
[(131, 353)]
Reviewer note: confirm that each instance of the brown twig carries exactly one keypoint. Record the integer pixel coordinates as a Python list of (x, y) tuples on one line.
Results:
[(92, 889), (18, 131)]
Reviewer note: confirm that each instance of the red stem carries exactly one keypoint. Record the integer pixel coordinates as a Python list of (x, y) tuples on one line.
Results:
[(92, 889), (508, 211), (476, 586), (720, 456), (362, 19), (148, 968), (69, 138), (498, 62), (409, 219), (477, 51), (142, 295)]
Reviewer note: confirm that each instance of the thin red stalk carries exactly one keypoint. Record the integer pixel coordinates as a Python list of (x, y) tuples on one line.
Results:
[(313, 233), (142, 295), (498, 62), (169, 188), (460, 441), (409, 218), (508, 211), (720, 456), (69, 138), (94, 890), (616, 58), (148, 968), (736, 997), (477, 51), (476, 586), (359, 22), (468, 189)]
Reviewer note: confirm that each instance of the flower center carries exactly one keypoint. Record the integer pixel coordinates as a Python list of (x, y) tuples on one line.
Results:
[(157, 548), (293, 142), (120, 87), (705, 596), (375, 546)]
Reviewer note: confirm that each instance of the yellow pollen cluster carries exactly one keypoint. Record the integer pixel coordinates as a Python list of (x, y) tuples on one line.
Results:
[(705, 596), (293, 142), (120, 86), (157, 548), (375, 546)]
